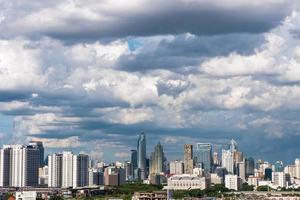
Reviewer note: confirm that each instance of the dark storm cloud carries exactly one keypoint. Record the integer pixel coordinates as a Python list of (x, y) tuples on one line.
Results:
[(188, 50), (146, 18), (9, 95)]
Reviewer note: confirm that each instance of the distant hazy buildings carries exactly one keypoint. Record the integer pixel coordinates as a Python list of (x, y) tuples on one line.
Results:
[(141, 155), (188, 159), (176, 167), (157, 160)]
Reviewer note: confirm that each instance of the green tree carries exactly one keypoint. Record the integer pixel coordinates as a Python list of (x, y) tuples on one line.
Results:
[(247, 187), (263, 188)]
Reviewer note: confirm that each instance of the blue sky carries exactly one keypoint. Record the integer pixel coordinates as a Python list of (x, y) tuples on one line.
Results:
[(89, 76)]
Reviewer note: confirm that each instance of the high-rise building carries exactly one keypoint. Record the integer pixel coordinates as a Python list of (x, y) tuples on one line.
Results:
[(204, 156), (232, 182), (268, 174), (216, 160), (67, 169), (241, 170), (134, 162), (114, 176), (24, 165), (249, 164), (279, 179), (4, 167), (40, 147), (80, 170), (176, 167), (278, 166), (157, 160), (55, 170), (297, 168), (141, 154), (188, 159), (228, 161)]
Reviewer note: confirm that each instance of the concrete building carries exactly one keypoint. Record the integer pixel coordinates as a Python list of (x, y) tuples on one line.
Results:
[(176, 167), (114, 176), (67, 169), (26, 195), (39, 145), (80, 170), (95, 177), (232, 182), (188, 159), (4, 167), (253, 180), (24, 165), (43, 176), (186, 182), (241, 170), (297, 168), (290, 169), (55, 170), (228, 161), (279, 179)]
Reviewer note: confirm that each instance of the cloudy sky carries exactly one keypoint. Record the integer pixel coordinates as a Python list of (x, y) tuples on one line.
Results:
[(88, 75)]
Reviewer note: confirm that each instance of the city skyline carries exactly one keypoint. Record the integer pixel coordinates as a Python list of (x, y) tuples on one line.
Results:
[(89, 76)]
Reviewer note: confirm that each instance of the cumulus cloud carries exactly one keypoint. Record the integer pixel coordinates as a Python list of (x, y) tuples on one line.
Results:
[(179, 85)]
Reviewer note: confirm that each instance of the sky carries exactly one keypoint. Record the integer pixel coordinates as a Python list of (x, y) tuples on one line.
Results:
[(89, 75)]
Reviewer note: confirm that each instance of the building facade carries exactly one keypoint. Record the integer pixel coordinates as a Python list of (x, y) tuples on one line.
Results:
[(188, 159)]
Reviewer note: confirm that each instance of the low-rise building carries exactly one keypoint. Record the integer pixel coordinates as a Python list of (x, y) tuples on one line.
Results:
[(186, 182), (232, 182)]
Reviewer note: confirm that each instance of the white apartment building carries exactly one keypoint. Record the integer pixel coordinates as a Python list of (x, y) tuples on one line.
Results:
[(19, 166), (176, 167), (67, 169), (55, 170), (297, 168), (186, 182), (232, 182), (228, 161), (278, 179)]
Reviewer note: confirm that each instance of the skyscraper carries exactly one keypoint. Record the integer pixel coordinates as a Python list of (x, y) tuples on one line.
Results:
[(80, 170), (134, 163), (249, 163), (141, 154), (55, 170), (157, 160), (188, 159), (228, 161), (4, 167), (67, 169), (204, 156), (40, 147), (278, 166), (24, 165), (297, 168)]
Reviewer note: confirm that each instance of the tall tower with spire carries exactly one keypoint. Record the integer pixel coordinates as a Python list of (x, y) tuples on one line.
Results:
[(141, 155), (157, 160)]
